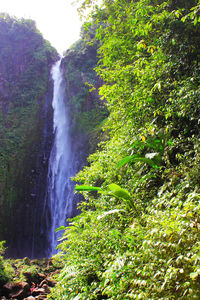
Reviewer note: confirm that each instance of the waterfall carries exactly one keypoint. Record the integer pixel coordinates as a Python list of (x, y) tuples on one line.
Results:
[(61, 168)]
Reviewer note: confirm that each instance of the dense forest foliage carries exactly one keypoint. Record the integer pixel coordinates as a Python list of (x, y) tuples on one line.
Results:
[(25, 63), (138, 234)]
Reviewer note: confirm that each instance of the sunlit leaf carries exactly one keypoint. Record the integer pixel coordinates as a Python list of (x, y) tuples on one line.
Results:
[(124, 161), (119, 192), (60, 228), (83, 188), (110, 212)]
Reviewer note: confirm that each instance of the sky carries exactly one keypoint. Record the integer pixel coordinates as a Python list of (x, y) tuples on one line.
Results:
[(57, 20)]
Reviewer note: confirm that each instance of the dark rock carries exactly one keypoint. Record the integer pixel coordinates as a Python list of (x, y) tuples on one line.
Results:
[(18, 290), (50, 282), (38, 291), (41, 276), (41, 297), (42, 283), (36, 278), (28, 275), (46, 288), (7, 289), (8, 286)]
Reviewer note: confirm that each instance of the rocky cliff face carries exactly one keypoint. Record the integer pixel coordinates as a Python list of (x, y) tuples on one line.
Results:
[(82, 82), (25, 133), (26, 234)]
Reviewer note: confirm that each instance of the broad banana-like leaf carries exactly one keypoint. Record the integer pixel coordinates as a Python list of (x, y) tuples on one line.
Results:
[(119, 192)]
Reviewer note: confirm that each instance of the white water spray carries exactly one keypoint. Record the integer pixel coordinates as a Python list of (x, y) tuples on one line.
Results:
[(60, 188)]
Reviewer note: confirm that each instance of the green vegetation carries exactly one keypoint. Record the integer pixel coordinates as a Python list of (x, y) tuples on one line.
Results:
[(138, 234), (6, 271), (25, 269)]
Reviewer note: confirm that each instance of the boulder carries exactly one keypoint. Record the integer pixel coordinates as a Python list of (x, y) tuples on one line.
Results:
[(28, 276), (18, 290), (48, 282), (38, 291), (8, 286)]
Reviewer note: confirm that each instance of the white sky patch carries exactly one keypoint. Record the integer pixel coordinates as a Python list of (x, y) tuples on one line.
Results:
[(57, 20)]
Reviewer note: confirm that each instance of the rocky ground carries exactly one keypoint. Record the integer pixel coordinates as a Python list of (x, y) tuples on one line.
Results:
[(31, 279)]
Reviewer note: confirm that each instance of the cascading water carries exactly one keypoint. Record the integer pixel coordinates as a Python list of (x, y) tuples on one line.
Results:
[(61, 167)]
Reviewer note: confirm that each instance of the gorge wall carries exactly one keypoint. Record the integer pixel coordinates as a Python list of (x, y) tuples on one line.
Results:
[(25, 119)]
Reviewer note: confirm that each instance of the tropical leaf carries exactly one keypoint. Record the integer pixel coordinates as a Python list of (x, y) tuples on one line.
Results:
[(60, 228), (84, 188), (124, 161), (117, 191), (150, 162)]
